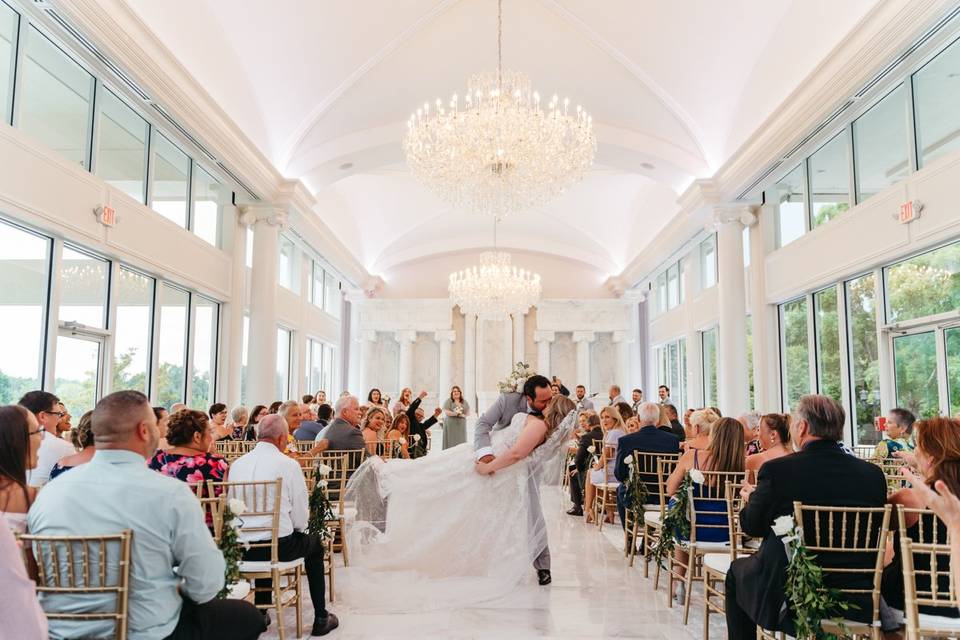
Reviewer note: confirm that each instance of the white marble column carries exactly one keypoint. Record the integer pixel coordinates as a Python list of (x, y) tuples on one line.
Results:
[(583, 339), (732, 365), (481, 361), (634, 362), (406, 340), (519, 354), (366, 341), (543, 340), (622, 342), (444, 377), (267, 222), (470, 359), (238, 292)]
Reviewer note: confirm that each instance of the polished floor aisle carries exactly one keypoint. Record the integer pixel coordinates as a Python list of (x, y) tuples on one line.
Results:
[(594, 595)]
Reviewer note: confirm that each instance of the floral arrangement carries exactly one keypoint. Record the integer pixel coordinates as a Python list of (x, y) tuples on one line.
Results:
[(517, 378), (807, 597), (419, 450), (676, 521), (321, 511), (636, 493), (230, 544)]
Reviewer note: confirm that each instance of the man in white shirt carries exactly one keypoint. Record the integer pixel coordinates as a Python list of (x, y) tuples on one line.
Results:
[(267, 462), (583, 402), (664, 392), (48, 410)]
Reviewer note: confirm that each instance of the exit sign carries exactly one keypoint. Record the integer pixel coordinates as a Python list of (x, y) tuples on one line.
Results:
[(107, 216), (909, 211)]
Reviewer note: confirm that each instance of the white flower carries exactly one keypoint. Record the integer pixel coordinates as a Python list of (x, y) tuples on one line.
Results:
[(629, 461), (402, 441), (783, 525), (324, 469), (416, 437), (591, 449), (697, 476), (237, 506), (322, 484)]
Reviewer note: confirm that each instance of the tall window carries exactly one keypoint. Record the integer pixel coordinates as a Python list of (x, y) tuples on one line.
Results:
[(83, 288), (661, 286), (936, 105), (172, 360), (316, 373), (829, 170), (951, 340), (243, 360), (56, 99), (331, 296), (285, 265), (208, 198), (171, 180), (827, 343), (131, 335), (316, 284), (708, 262), (790, 194), (282, 387), (880, 145), (122, 147), (673, 286), (9, 22), (915, 373), (864, 358), (795, 355), (750, 383), (709, 345), (24, 270), (202, 381), (924, 285)]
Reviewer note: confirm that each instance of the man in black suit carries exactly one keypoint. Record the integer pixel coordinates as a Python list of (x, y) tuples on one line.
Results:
[(649, 439), (581, 463), (419, 426), (675, 427), (819, 473)]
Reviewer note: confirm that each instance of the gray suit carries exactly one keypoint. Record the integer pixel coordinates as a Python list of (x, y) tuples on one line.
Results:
[(343, 436), (498, 417), (584, 405)]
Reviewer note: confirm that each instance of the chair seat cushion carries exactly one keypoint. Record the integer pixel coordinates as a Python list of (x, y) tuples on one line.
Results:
[(653, 518), (708, 546), (265, 566), (718, 562), (932, 622), (651, 507)]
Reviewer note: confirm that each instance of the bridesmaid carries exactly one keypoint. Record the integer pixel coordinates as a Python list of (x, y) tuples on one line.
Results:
[(455, 423), (403, 402)]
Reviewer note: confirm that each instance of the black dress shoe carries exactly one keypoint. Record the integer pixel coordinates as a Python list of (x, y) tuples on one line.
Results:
[(323, 626), (543, 577), (576, 511)]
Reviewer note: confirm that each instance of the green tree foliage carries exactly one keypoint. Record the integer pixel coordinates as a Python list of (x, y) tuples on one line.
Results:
[(865, 366), (797, 351)]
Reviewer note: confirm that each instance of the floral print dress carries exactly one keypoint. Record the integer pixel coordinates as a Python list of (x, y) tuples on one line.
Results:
[(192, 469)]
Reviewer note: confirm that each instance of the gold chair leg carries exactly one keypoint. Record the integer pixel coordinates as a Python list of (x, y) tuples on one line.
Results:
[(603, 509), (299, 605), (670, 581), (278, 603), (691, 563), (706, 605)]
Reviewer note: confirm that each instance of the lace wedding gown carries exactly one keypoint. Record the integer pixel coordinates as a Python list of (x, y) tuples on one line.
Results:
[(432, 533)]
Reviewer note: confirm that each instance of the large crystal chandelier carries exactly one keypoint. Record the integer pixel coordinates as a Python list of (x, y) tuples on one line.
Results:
[(495, 288), (497, 150)]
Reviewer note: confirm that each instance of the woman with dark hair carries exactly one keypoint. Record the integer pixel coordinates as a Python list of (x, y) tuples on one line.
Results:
[(218, 421), (163, 417), (20, 437), (775, 439), (455, 410), (376, 399), (397, 436), (83, 440), (250, 432), (274, 406), (188, 458)]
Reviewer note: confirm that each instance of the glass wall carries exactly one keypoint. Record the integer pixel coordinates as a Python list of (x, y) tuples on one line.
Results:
[(951, 340), (915, 373), (282, 387), (131, 335), (708, 262), (78, 368), (171, 180), (122, 146), (864, 357), (9, 23), (795, 352), (829, 170), (827, 341), (316, 284), (205, 322), (709, 356), (672, 371), (936, 111), (56, 99), (925, 285), (789, 194), (331, 297), (208, 198), (881, 144), (285, 264), (172, 380), (84, 280)]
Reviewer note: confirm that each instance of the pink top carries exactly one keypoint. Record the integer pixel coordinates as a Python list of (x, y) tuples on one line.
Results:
[(19, 608)]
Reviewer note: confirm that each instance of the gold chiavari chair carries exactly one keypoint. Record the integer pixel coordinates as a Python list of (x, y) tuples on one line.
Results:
[(927, 578), (854, 532), (262, 516), (231, 449), (339, 463), (891, 471), (716, 565), (646, 464), (708, 517), (605, 497), (305, 446), (864, 451), (87, 568), (653, 520), (213, 514)]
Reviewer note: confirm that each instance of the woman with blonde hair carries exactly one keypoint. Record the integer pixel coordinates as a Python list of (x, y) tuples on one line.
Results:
[(602, 471), (698, 435), (372, 428)]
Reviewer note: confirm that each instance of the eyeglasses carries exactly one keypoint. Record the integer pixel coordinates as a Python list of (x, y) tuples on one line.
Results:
[(59, 414), (33, 433)]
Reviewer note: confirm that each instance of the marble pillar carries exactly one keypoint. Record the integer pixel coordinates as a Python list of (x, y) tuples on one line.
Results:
[(543, 340), (405, 339), (445, 376), (470, 359), (367, 340), (731, 294), (583, 340), (518, 339), (238, 292), (621, 344)]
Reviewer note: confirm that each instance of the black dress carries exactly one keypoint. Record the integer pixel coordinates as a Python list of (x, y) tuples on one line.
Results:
[(891, 585)]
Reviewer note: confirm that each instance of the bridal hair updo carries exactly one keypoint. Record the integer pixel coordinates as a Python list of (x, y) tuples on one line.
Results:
[(556, 411)]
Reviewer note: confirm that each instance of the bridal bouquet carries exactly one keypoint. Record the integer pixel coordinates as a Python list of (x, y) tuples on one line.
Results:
[(321, 511), (515, 381), (230, 544)]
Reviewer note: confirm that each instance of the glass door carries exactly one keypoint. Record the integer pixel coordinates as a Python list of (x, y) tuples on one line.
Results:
[(951, 340), (926, 370), (78, 371)]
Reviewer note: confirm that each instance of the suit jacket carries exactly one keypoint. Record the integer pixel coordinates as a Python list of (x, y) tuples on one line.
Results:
[(616, 401), (585, 405), (649, 439), (417, 427), (582, 459), (343, 436), (497, 417), (677, 428), (822, 474)]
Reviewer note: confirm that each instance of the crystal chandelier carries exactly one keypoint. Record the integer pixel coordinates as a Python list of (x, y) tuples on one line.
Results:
[(497, 150), (496, 288)]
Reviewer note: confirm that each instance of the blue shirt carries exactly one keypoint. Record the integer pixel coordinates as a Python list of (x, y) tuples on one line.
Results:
[(116, 491)]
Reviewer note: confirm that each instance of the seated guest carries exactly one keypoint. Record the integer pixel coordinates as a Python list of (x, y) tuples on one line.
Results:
[(648, 439), (238, 419), (320, 397), (20, 610), (218, 421), (274, 406), (398, 437), (820, 473), (376, 399), (698, 435), (372, 428), (82, 439), (343, 434), (625, 410), (938, 459), (64, 424), (676, 428), (403, 402), (614, 396), (162, 416), (308, 429), (592, 429), (663, 422), (419, 426), (602, 471), (751, 432), (290, 412), (897, 436), (267, 462), (176, 569), (250, 431), (46, 409), (775, 437), (188, 458), (633, 424), (19, 446)]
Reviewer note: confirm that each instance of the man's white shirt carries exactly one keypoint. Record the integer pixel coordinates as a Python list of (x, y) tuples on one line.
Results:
[(264, 463), (52, 449)]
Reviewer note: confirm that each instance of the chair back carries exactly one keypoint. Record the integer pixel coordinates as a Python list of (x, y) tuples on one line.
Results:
[(849, 543), (708, 503), (87, 568), (666, 463), (738, 539), (927, 579), (305, 446), (339, 463), (864, 451), (213, 514), (262, 501), (647, 464)]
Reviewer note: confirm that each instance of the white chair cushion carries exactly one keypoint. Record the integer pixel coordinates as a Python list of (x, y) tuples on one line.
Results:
[(712, 546), (607, 485), (651, 507), (932, 622), (653, 517), (263, 566), (719, 562)]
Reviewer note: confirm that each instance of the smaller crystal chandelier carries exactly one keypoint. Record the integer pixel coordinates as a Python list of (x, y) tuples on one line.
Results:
[(494, 289)]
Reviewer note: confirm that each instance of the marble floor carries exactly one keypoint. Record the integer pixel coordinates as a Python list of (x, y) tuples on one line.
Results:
[(594, 595)]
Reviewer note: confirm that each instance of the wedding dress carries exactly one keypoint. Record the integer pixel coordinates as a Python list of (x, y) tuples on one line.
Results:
[(432, 533)]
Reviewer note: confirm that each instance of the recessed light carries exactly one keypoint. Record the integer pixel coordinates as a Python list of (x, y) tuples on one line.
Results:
[(346, 165), (648, 166)]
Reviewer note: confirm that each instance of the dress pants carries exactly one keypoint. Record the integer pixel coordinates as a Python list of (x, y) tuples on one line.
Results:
[(296, 545), (219, 620), (576, 488), (739, 625)]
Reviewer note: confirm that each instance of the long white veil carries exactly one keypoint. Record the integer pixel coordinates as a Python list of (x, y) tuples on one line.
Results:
[(432, 533)]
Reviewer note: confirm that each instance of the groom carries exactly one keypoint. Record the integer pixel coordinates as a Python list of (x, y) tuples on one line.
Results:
[(534, 399)]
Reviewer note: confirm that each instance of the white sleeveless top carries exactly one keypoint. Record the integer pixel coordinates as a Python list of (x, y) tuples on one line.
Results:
[(16, 522)]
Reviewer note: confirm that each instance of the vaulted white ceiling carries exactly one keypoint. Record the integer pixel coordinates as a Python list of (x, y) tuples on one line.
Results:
[(324, 88)]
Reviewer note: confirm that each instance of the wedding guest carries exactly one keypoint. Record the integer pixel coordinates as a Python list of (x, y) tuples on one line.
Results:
[(686, 418), (663, 391), (320, 397), (636, 397), (663, 423), (562, 389), (625, 410), (614, 395), (897, 436), (82, 440), (419, 426), (309, 428), (290, 411), (306, 399), (64, 424), (775, 436), (343, 433), (601, 472), (592, 430), (675, 427), (455, 408), (372, 428), (398, 438), (46, 409), (403, 402), (162, 416), (218, 421), (819, 473), (20, 443), (633, 424), (176, 569), (751, 432), (188, 459), (376, 399), (238, 420), (20, 610), (698, 435), (274, 406), (648, 439), (583, 403)]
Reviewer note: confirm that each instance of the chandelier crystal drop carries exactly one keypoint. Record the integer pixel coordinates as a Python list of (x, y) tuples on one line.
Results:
[(499, 149), (495, 288)]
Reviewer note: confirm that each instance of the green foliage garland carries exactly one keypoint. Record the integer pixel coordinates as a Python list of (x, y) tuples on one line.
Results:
[(232, 549), (321, 511), (676, 522), (808, 599), (636, 495)]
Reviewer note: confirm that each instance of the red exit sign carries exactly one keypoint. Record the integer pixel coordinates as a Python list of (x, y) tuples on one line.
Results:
[(909, 211), (107, 216)]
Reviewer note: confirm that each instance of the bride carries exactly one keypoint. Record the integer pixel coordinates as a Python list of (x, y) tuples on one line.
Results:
[(440, 531)]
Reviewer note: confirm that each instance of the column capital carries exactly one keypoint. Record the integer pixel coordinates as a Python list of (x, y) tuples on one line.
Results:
[(584, 336), (743, 214), (405, 336), (272, 214), (449, 335), (622, 336), (544, 336)]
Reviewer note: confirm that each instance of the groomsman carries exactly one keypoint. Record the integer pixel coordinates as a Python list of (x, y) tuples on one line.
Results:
[(664, 392), (583, 402), (615, 397), (637, 397)]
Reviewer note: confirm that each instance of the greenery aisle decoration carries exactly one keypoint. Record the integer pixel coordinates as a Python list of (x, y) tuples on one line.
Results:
[(636, 492), (321, 511), (419, 448), (676, 521), (230, 544), (807, 597)]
